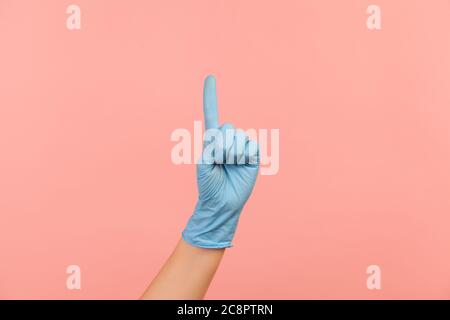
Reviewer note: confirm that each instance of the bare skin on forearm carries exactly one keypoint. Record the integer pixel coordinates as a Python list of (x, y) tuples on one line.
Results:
[(187, 273)]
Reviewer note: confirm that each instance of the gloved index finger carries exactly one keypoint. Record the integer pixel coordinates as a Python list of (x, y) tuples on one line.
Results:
[(210, 103)]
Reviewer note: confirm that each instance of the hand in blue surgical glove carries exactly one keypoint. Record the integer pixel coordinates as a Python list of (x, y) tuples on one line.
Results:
[(226, 175)]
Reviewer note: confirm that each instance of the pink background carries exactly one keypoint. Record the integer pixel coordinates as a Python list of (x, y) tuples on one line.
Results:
[(364, 117)]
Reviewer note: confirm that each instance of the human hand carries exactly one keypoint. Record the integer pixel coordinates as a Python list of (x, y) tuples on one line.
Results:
[(226, 176)]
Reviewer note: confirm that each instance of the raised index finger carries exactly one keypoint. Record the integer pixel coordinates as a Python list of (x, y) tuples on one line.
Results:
[(210, 103)]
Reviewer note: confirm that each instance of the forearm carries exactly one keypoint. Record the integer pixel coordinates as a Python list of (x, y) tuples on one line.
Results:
[(186, 274)]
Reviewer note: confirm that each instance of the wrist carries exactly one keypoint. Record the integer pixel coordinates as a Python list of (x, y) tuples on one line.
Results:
[(212, 225)]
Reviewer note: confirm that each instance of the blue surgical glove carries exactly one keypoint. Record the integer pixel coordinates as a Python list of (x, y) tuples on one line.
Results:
[(226, 175)]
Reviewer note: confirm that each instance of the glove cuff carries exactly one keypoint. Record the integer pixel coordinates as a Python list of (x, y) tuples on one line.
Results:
[(212, 225)]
